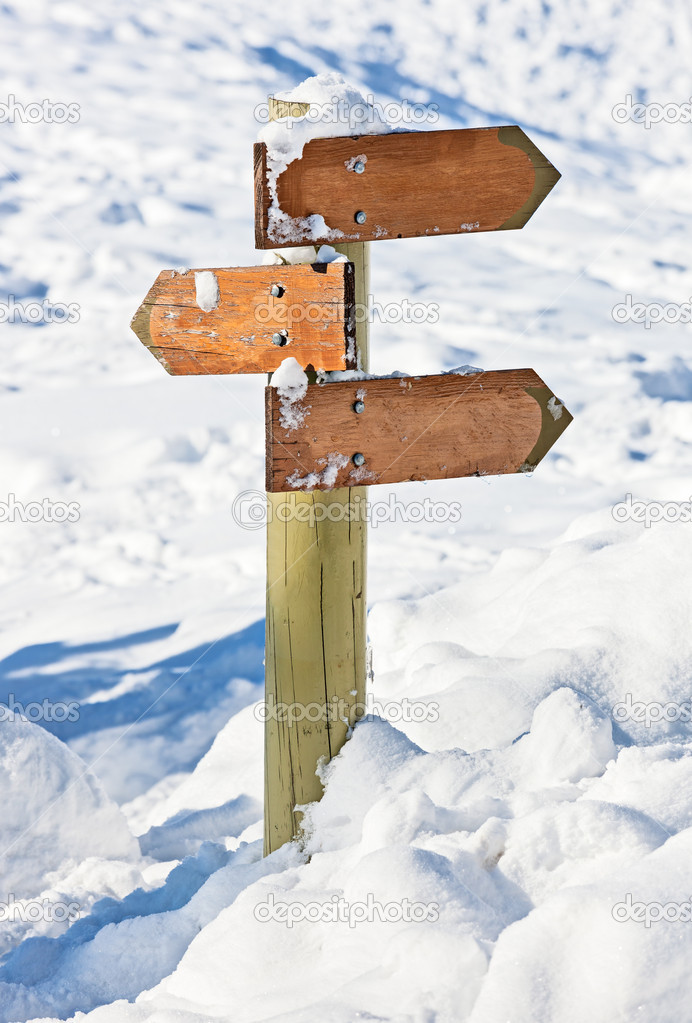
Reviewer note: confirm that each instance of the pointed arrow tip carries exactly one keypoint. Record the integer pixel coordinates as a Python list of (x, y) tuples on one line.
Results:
[(555, 419), (546, 175)]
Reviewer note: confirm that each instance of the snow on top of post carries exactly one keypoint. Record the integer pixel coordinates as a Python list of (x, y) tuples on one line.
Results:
[(336, 109)]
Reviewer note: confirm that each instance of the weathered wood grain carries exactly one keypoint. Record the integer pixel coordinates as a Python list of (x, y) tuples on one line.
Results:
[(316, 635), (315, 310), (413, 428), (414, 184)]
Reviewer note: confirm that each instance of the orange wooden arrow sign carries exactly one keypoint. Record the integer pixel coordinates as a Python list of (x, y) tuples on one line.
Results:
[(392, 430), (403, 185), (249, 319)]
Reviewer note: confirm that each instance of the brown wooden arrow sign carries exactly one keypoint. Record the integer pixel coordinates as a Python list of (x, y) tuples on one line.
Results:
[(406, 184), (397, 429), (249, 319)]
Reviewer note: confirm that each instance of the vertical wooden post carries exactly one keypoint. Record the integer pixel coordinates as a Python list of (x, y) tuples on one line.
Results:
[(316, 610)]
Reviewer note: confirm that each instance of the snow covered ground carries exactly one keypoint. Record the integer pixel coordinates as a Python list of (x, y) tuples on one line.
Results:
[(544, 805)]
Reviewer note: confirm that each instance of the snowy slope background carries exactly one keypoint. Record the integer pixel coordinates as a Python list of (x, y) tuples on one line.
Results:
[(529, 809)]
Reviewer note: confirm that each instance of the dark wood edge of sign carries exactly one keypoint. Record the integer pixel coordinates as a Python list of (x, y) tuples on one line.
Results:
[(551, 428), (546, 176), (261, 196), (141, 325)]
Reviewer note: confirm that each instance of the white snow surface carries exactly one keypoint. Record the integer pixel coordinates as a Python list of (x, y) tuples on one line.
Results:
[(206, 290), (325, 478), (291, 382), (337, 108), (522, 802), (327, 254)]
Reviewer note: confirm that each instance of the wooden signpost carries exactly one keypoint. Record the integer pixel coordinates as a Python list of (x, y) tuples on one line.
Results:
[(344, 436)]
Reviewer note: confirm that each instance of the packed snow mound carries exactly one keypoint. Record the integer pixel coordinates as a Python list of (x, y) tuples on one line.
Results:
[(64, 844), (517, 852), (593, 612), (582, 956), (455, 833), (55, 813), (127, 946), (570, 739)]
